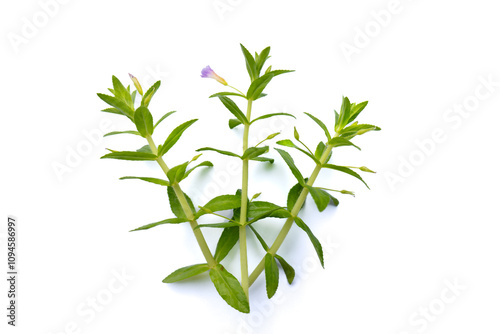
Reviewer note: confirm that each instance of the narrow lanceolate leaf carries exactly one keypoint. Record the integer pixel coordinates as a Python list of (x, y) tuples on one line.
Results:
[(289, 143), (233, 108), (162, 118), (130, 155), (227, 240), (345, 114), (271, 115), (356, 109), (293, 196), (174, 137), (231, 154), (291, 164), (338, 141), (113, 111), (269, 214), (254, 152), (321, 124), (146, 98), (261, 59), (186, 272), (218, 225), (258, 85), (154, 180), (144, 121), (166, 221), (258, 208), (202, 164), (121, 106), (272, 275), (288, 269), (176, 174), (227, 94), (263, 159), (233, 122), (112, 133), (250, 62), (221, 203), (229, 289), (320, 197), (176, 206), (317, 245), (121, 92), (259, 237), (357, 129), (347, 171)]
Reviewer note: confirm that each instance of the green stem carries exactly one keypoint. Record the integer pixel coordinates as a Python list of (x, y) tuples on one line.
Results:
[(295, 211), (185, 207), (243, 212)]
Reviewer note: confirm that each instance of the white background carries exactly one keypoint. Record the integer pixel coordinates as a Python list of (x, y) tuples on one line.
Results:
[(429, 220)]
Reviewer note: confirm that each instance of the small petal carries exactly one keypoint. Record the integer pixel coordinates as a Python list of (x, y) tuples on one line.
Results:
[(207, 72)]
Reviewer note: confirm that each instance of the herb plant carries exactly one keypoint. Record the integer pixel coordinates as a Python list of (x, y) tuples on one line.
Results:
[(237, 227)]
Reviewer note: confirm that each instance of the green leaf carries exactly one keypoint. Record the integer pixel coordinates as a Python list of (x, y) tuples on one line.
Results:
[(121, 92), (166, 221), (233, 108), (250, 62), (218, 225), (339, 141), (271, 115), (227, 240), (321, 124), (317, 245), (132, 132), (176, 206), (130, 155), (221, 203), (146, 98), (144, 121), (227, 94), (174, 137), (334, 201), (272, 275), (345, 114), (289, 161), (259, 237), (270, 213), (113, 111), (357, 129), (119, 105), (231, 154), (203, 164), (176, 174), (258, 85), (186, 272), (263, 159), (254, 152), (289, 143), (229, 289), (261, 59), (154, 180), (259, 208), (356, 109), (320, 197), (133, 95), (293, 195), (288, 269), (345, 170), (233, 122), (162, 118)]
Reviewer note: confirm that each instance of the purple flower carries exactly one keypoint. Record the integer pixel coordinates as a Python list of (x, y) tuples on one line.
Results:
[(207, 72)]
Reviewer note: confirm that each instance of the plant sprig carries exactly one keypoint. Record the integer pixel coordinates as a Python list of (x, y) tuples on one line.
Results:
[(244, 211)]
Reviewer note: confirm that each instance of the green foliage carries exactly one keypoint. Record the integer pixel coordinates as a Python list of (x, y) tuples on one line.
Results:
[(186, 272), (340, 131), (229, 288)]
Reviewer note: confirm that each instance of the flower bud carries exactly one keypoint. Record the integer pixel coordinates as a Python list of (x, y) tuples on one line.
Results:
[(136, 84)]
